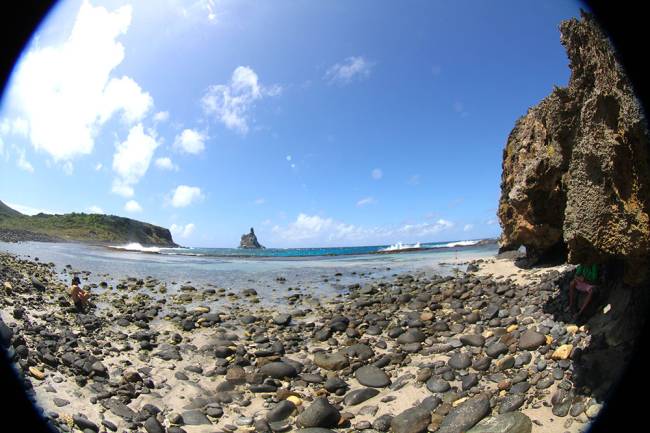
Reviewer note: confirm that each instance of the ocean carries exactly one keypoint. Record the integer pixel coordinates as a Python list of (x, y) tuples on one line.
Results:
[(319, 271)]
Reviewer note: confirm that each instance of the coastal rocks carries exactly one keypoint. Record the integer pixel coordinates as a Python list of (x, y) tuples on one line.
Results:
[(531, 340), (414, 420), (369, 375), (281, 411), (575, 172), (278, 370), (459, 361), (466, 415), (513, 422), (319, 414), (249, 241), (358, 396), (334, 361)]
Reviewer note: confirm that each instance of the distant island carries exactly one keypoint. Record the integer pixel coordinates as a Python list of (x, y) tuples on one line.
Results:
[(249, 241), (81, 227)]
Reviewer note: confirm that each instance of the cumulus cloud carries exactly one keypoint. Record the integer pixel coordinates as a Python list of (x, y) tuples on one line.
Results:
[(314, 229), (161, 116), (366, 201), (260, 201), (95, 209), (190, 141), (165, 163), (23, 164), (184, 195), (132, 206), (99, 166), (182, 231), (66, 93), (351, 69), (131, 160), (377, 174), (231, 103), (468, 227)]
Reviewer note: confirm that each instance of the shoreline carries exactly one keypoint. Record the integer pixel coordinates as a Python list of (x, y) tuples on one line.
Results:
[(232, 365)]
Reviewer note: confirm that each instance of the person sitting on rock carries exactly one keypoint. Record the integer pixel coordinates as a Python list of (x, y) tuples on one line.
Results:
[(585, 280), (79, 296)]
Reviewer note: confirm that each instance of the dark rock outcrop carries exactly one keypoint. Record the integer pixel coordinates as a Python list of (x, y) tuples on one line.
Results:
[(249, 241), (576, 173)]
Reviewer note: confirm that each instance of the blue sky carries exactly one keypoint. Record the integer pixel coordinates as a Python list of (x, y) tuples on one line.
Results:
[(317, 122)]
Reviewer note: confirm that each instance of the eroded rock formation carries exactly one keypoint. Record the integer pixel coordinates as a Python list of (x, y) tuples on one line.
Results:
[(249, 241), (576, 172)]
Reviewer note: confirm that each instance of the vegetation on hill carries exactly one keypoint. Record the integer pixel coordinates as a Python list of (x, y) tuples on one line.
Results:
[(84, 227)]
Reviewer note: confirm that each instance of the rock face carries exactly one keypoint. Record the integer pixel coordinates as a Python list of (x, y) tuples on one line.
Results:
[(576, 169), (249, 241)]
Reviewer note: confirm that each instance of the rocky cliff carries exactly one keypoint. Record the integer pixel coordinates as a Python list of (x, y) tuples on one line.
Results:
[(249, 241), (576, 172)]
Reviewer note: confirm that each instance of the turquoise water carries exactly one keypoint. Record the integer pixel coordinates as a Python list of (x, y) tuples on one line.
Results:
[(315, 270), (295, 252)]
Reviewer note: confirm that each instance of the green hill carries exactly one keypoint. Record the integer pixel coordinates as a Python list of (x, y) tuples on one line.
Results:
[(81, 227)]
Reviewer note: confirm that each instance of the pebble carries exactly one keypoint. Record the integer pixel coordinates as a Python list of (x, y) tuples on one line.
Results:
[(319, 414), (372, 376)]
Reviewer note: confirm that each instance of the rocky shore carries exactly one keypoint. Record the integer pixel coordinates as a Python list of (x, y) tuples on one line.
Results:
[(488, 350)]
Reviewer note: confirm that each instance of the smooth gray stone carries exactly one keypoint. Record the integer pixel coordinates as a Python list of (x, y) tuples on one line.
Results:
[(474, 340), (358, 396), (194, 417), (319, 414), (459, 361), (369, 375), (413, 420), (436, 384), (281, 411), (278, 370), (512, 422), (466, 415)]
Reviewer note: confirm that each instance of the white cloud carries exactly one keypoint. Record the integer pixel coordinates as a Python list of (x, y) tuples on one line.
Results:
[(377, 174), (132, 206), (231, 103), (95, 209), (184, 195), (366, 201), (425, 229), (260, 201), (289, 158), (182, 231), (468, 227), (120, 188), (491, 221), (23, 164), (66, 93), (161, 116), (165, 163), (190, 141), (352, 68), (131, 160), (99, 166), (317, 230)]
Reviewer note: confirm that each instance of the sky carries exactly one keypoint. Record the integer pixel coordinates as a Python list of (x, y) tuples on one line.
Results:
[(318, 123)]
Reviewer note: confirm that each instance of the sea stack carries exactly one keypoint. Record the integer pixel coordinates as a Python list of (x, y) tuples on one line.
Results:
[(249, 241)]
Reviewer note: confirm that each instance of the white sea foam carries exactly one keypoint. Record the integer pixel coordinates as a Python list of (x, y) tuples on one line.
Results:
[(457, 244), (136, 246), (400, 246)]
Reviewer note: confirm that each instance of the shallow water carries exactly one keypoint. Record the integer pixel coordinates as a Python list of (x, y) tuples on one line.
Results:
[(316, 275)]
